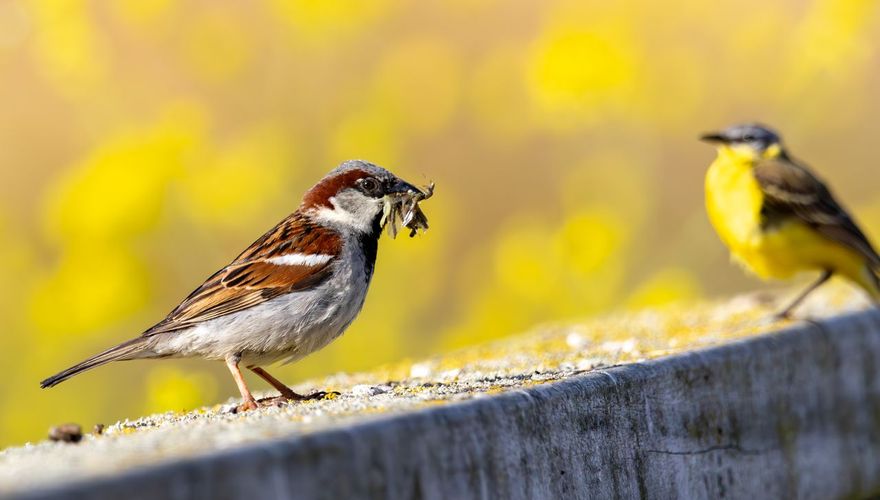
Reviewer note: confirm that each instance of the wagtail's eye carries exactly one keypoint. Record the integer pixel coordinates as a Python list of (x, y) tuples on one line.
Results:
[(748, 138), (370, 185)]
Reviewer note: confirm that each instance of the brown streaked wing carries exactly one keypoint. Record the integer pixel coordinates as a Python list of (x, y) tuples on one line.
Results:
[(295, 234), (791, 190), (251, 279)]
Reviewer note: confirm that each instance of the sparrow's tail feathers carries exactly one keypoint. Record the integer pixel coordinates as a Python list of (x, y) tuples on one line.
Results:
[(123, 351)]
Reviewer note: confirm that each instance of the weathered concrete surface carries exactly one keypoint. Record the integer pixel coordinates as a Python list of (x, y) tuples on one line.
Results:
[(792, 414)]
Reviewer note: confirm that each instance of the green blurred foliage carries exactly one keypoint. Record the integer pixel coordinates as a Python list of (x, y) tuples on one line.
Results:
[(146, 142)]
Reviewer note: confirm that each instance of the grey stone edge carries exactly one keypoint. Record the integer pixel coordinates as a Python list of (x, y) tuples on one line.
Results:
[(791, 414)]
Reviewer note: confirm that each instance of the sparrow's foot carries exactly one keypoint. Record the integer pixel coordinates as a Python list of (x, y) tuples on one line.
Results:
[(248, 405), (275, 401), (278, 401), (260, 403), (292, 396)]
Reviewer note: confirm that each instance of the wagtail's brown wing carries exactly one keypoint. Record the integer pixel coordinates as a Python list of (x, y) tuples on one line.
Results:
[(792, 192)]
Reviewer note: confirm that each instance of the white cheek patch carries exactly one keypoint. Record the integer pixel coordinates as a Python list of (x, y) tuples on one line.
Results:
[(301, 259), (338, 216)]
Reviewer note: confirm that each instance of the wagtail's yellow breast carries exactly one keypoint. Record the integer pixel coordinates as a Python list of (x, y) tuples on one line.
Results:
[(733, 200)]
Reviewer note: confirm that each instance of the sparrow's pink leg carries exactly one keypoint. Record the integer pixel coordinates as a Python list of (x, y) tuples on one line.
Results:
[(286, 392), (249, 403)]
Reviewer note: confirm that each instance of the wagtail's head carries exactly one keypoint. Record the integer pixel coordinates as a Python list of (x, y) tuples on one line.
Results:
[(747, 142)]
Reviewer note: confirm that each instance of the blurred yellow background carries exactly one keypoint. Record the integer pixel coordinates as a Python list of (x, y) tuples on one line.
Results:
[(144, 143)]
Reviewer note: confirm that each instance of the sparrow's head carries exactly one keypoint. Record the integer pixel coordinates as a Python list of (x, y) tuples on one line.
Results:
[(748, 142), (352, 196)]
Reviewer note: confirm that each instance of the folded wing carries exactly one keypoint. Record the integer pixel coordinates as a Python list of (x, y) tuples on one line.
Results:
[(293, 256), (792, 191)]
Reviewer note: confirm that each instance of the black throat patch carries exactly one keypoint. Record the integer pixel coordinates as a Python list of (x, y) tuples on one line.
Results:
[(369, 243)]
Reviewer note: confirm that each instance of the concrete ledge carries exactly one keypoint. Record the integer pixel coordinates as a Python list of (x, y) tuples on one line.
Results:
[(793, 414)]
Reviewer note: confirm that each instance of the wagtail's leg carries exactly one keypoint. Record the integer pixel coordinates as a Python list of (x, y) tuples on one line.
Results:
[(786, 313)]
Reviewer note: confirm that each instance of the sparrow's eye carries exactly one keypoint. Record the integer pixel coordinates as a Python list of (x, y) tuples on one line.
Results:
[(370, 186)]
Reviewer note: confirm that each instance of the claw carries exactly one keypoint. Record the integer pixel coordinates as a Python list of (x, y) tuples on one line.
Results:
[(782, 316), (322, 395), (246, 406), (283, 400), (277, 401)]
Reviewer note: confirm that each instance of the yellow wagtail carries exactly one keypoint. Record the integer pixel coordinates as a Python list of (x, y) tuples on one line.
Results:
[(778, 218)]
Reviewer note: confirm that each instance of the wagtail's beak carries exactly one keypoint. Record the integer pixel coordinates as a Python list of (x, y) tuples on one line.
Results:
[(713, 137)]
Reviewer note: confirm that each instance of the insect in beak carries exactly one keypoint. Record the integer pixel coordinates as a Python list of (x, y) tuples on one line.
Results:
[(402, 208)]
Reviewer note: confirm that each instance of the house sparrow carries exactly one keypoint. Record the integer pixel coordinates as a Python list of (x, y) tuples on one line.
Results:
[(292, 292)]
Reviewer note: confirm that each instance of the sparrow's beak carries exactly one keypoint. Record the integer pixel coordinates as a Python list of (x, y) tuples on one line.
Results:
[(713, 137), (401, 186)]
